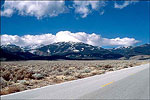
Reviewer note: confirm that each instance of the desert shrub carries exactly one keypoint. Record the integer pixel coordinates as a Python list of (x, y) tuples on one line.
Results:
[(108, 66), (68, 72), (87, 70), (37, 76), (59, 70), (131, 65), (80, 76), (10, 89), (97, 66), (6, 75), (3, 82)]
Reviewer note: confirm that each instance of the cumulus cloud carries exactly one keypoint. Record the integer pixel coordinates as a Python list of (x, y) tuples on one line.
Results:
[(34, 8), (42, 8), (7, 12), (86, 7), (120, 41), (66, 36), (125, 4), (27, 39)]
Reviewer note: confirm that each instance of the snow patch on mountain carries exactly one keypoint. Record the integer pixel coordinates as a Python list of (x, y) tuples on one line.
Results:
[(75, 50)]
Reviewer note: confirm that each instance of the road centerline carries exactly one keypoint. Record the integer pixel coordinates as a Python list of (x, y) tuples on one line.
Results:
[(107, 84)]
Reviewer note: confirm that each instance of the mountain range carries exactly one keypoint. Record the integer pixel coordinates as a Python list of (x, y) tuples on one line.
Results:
[(72, 51)]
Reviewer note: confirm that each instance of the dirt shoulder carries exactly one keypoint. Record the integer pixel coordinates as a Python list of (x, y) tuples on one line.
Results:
[(23, 75)]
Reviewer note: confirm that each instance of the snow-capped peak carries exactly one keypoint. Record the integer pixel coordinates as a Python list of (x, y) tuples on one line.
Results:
[(32, 47)]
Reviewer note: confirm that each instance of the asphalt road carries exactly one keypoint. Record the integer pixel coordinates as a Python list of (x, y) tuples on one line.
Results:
[(129, 83)]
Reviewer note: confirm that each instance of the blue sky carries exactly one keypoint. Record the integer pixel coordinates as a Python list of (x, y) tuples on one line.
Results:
[(108, 21)]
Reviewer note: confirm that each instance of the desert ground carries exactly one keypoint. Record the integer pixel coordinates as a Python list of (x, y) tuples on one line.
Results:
[(23, 75)]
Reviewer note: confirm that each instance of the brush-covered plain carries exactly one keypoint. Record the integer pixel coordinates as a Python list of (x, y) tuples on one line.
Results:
[(23, 75)]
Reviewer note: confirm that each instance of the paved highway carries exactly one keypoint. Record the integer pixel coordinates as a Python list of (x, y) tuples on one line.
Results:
[(129, 83)]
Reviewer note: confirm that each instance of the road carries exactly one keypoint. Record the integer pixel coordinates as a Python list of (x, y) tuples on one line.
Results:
[(128, 83)]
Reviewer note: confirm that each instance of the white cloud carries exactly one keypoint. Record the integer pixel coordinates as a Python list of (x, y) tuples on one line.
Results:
[(42, 8), (7, 12), (125, 4), (86, 7), (120, 42), (34, 8), (66, 36), (27, 39)]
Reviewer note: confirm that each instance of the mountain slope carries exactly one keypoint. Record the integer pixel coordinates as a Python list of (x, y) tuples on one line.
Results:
[(8, 56), (132, 51), (74, 50), (13, 52)]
